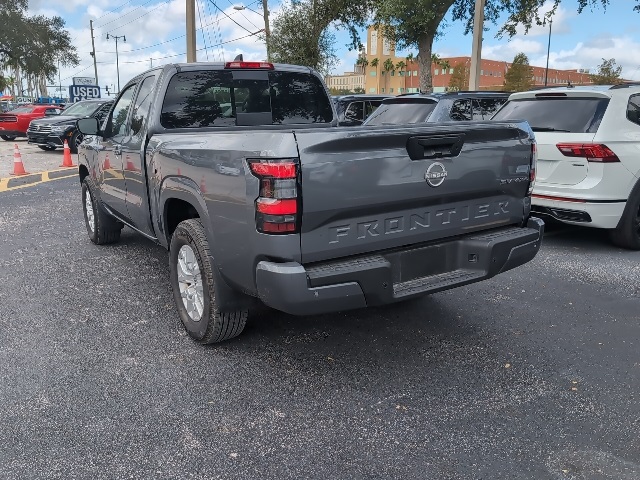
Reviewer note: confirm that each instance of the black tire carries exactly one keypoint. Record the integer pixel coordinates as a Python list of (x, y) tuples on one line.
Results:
[(627, 234), (8, 138), (76, 140), (106, 229), (213, 326), (46, 148)]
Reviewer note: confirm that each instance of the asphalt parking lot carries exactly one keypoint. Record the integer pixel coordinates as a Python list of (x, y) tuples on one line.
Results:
[(34, 159), (534, 374)]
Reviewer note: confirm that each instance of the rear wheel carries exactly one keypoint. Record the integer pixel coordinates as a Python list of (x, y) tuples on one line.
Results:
[(194, 291), (46, 148), (8, 138), (101, 227), (627, 235)]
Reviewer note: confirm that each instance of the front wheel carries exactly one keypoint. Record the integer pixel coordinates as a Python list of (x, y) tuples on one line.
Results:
[(627, 234), (74, 143), (8, 138), (101, 227), (192, 281)]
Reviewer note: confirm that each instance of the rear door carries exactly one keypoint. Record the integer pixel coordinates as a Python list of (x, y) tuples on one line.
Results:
[(387, 187), (557, 118)]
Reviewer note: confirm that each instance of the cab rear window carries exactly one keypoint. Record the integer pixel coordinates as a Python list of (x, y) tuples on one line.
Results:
[(557, 114), (401, 112), (215, 99)]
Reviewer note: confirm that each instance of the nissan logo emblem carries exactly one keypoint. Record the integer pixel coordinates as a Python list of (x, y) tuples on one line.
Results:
[(435, 174)]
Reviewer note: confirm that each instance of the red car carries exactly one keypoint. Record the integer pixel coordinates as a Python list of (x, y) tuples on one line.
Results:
[(15, 123)]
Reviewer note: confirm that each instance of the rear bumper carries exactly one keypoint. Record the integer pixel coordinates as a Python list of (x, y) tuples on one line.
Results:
[(597, 214), (399, 274)]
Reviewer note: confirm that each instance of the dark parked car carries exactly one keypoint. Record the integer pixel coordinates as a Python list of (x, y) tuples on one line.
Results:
[(51, 132), (436, 108), (352, 110)]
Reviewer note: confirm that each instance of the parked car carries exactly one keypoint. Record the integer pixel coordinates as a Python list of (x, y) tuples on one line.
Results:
[(352, 110), (51, 132), (588, 142), (15, 123), (436, 108), (389, 221)]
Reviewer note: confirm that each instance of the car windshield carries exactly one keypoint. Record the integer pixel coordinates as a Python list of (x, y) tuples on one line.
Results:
[(81, 109), (556, 114), (22, 110), (401, 113)]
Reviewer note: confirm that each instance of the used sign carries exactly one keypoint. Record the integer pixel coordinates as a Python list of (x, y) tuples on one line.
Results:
[(83, 92)]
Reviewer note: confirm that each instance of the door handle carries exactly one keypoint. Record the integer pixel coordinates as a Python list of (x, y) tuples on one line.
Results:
[(435, 146), (117, 150)]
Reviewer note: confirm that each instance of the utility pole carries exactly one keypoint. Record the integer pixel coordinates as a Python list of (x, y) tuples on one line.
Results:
[(151, 60), (546, 70), (191, 31), (124, 39), (267, 30), (93, 52), (476, 50)]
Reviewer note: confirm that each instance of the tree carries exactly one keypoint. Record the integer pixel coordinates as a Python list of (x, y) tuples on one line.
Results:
[(460, 78), (519, 77), (374, 63), (608, 73), (416, 23), (387, 66), (300, 33), (400, 66), (445, 65)]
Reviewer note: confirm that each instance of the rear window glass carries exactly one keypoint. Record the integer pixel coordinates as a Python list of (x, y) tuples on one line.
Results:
[(401, 113), (214, 98), (23, 110), (568, 114)]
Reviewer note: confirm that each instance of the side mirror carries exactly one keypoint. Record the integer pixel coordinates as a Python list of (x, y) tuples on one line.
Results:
[(88, 126)]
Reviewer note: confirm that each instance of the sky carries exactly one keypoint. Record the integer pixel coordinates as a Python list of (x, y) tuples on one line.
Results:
[(156, 30)]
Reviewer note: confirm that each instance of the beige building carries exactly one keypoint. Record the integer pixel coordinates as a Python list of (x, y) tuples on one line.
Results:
[(348, 81), (379, 78)]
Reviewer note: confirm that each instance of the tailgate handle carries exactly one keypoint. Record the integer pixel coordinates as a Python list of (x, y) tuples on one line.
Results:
[(436, 146)]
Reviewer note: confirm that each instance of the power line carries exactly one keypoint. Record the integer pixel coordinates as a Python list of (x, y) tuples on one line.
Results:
[(226, 15), (127, 13), (138, 18), (198, 50), (114, 10), (244, 16), (204, 39)]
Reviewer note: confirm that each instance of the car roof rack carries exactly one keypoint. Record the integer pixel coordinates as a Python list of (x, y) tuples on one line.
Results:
[(625, 85)]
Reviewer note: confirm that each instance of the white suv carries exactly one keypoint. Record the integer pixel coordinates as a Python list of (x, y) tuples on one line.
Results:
[(588, 167)]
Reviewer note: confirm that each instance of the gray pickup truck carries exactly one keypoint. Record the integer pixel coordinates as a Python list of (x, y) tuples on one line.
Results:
[(240, 171)]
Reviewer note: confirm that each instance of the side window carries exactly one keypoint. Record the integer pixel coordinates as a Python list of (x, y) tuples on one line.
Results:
[(372, 107), (52, 111), (477, 112), (116, 124), (633, 109), (101, 113), (142, 105), (355, 111), (461, 110)]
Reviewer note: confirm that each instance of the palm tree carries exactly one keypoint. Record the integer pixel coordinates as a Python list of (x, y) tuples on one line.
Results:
[(363, 62), (401, 67), (374, 63), (387, 66), (445, 65)]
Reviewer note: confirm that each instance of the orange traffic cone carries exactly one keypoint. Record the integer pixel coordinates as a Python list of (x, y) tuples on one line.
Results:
[(66, 160), (107, 163), (129, 165), (203, 185), (18, 166)]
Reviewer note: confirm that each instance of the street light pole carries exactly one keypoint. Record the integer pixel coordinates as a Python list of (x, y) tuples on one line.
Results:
[(124, 39), (546, 70)]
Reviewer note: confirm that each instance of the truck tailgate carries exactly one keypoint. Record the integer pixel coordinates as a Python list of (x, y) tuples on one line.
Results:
[(369, 189)]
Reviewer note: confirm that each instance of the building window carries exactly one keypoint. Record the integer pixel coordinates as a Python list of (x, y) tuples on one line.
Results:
[(372, 73), (481, 72), (372, 90), (451, 71), (415, 73), (401, 90), (382, 90), (391, 90), (393, 73)]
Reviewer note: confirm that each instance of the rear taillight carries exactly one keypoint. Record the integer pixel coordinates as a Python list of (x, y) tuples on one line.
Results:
[(532, 167), (249, 65), (278, 206), (593, 152)]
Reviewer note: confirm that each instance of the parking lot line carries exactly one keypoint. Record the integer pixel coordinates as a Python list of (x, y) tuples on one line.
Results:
[(14, 183)]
